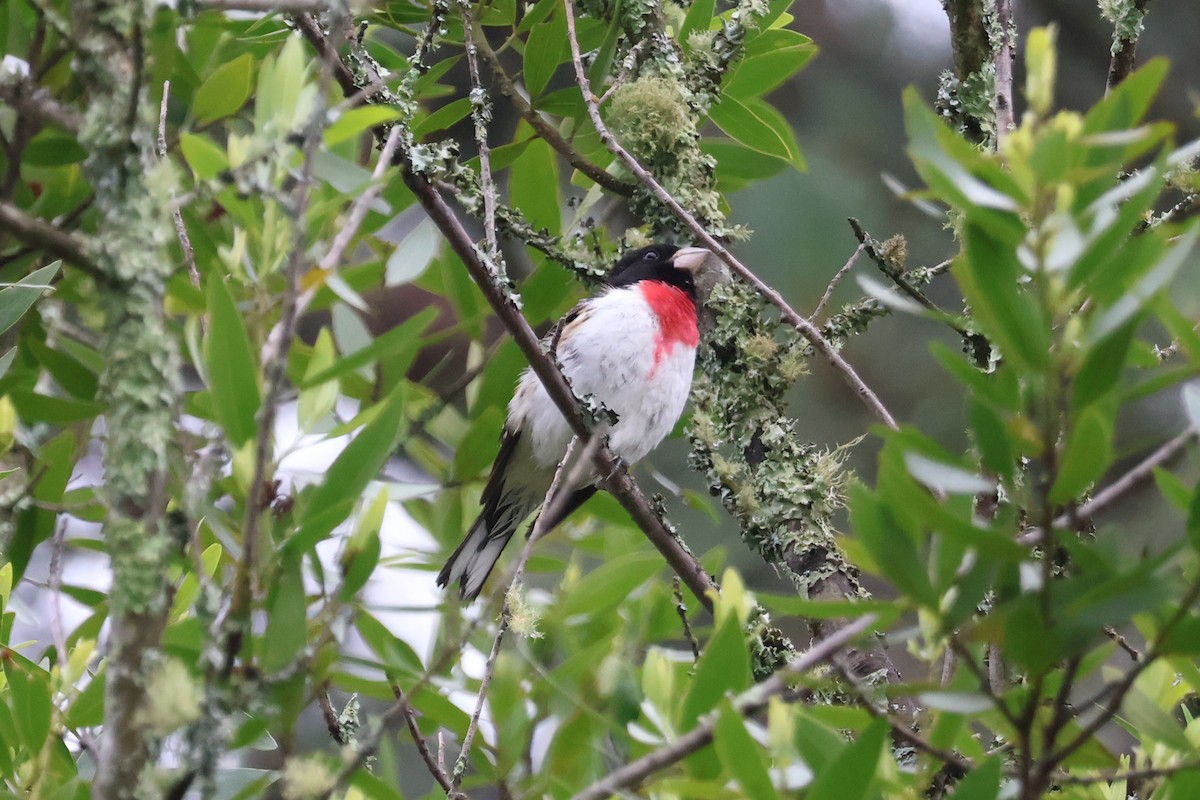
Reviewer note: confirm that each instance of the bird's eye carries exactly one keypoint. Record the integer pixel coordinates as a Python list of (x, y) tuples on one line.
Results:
[(652, 256)]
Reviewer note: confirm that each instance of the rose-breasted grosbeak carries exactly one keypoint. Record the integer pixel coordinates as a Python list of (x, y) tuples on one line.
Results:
[(632, 347)]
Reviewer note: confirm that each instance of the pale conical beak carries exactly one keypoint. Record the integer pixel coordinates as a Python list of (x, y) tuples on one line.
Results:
[(689, 258)]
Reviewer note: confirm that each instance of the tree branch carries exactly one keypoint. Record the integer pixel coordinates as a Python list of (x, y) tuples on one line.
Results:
[(806, 328), (615, 478), (35, 102), (1102, 499), (185, 241), (748, 703), (266, 6), (41, 235), (1124, 47), (1002, 102), (545, 130)]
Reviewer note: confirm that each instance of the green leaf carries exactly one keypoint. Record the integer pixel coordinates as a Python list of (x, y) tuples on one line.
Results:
[(49, 149), (29, 689), (545, 49), (1102, 367), (1000, 388), (205, 158), (444, 117), (347, 478), (946, 478), (361, 552), (768, 60), (741, 755), (1087, 456), (1135, 299), (16, 299), (287, 621), (995, 449), (35, 407), (232, 374), (758, 126), (893, 551), (1129, 100), (413, 255), (533, 186), (849, 775), (981, 783), (476, 449), (602, 63), (6, 361), (55, 463), (372, 787), (1190, 394), (988, 273), (699, 17), (317, 401), (225, 91), (356, 120), (1152, 723), (724, 667), (609, 584), (1173, 489), (395, 653), (402, 339), (737, 165)]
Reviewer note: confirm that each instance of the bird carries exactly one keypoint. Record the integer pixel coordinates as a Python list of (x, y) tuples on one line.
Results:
[(632, 346)]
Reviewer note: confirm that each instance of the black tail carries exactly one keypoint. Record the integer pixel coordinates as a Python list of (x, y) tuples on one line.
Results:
[(473, 560)]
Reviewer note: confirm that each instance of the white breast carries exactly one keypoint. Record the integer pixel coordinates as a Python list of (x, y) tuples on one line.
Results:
[(609, 352)]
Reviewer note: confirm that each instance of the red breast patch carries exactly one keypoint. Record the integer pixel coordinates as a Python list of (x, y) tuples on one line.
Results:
[(676, 317)]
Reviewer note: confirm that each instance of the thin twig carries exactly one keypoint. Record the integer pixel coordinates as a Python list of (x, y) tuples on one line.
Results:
[(545, 131), (549, 505), (354, 219), (806, 328), (434, 766), (837, 278), (1002, 100), (615, 479), (1124, 52), (274, 365), (1114, 776), (185, 242), (481, 114), (1122, 642), (330, 716), (1102, 499), (900, 730), (1116, 692), (749, 702), (681, 608), (44, 236), (266, 6)]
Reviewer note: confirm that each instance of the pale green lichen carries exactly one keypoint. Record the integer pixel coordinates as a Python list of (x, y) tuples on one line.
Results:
[(782, 491), (523, 617), (307, 778), (1127, 21), (172, 698), (653, 118)]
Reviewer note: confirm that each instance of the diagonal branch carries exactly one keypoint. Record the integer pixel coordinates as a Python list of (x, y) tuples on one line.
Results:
[(1124, 47), (748, 703), (806, 328), (545, 131), (36, 102), (615, 478), (41, 234)]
